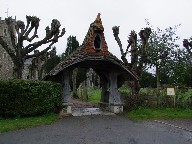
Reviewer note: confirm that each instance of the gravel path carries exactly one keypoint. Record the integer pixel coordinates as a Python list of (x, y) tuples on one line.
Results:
[(98, 130)]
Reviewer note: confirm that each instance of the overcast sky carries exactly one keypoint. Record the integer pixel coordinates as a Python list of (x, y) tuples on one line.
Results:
[(76, 16)]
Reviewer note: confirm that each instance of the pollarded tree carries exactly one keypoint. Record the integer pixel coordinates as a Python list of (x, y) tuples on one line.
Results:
[(20, 33), (138, 53)]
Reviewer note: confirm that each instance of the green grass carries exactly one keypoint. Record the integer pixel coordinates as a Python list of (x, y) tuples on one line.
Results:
[(164, 113), (94, 95), (125, 90), (20, 123)]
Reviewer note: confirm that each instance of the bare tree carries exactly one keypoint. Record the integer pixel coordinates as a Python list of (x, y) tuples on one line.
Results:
[(19, 33), (138, 53)]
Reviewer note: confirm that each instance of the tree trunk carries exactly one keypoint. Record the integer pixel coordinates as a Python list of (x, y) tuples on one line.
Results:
[(18, 70), (135, 87), (158, 85)]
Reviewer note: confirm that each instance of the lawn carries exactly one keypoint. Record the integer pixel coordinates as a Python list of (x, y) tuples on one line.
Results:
[(94, 95), (143, 113), (162, 113), (20, 123)]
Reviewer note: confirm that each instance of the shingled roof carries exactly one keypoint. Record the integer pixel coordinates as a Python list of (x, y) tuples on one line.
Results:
[(88, 52)]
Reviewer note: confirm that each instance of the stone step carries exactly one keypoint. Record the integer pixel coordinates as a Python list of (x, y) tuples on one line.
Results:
[(89, 111)]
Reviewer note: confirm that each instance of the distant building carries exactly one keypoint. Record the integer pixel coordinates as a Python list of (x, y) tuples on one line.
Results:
[(6, 64)]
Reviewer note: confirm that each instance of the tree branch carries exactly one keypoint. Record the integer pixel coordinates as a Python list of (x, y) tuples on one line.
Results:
[(34, 21), (28, 32), (28, 23), (7, 48), (20, 26), (116, 33), (32, 47), (32, 37), (39, 53), (134, 50)]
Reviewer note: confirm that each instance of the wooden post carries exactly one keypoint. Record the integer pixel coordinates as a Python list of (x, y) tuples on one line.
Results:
[(66, 89), (114, 96), (171, 92), (115, 104), (74, 75), (84, 91), (174, 101), (104, 93)]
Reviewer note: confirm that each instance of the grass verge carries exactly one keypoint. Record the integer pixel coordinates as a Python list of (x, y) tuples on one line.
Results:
[(20, 123), (164, 113), (94, 95)]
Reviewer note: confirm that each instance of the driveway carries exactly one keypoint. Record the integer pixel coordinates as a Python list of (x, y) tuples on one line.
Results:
[(99, 130)]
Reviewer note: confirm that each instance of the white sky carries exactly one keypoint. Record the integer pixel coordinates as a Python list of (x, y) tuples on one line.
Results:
[(76, 16)]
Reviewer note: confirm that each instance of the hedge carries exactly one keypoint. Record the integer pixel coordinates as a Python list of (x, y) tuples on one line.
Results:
[(29, 98)]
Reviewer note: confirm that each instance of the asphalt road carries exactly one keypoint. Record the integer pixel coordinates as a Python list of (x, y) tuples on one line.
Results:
[(98, 130)]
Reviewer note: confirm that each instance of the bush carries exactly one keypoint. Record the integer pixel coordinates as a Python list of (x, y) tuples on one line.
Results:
[(147, 97), (132, 101), (29, 98), (184, 99)]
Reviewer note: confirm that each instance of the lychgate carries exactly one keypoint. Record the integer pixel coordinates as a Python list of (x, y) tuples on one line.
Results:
[(93, 53)]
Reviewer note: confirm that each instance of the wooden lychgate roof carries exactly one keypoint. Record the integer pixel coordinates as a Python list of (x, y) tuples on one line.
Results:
[(93, 53)]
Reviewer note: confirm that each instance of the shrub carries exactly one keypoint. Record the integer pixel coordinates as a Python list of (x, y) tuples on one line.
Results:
[(132, 101), (184, 99), (29, 98)]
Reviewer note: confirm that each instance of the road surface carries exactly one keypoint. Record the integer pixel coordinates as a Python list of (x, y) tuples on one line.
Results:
[(98, 130)]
